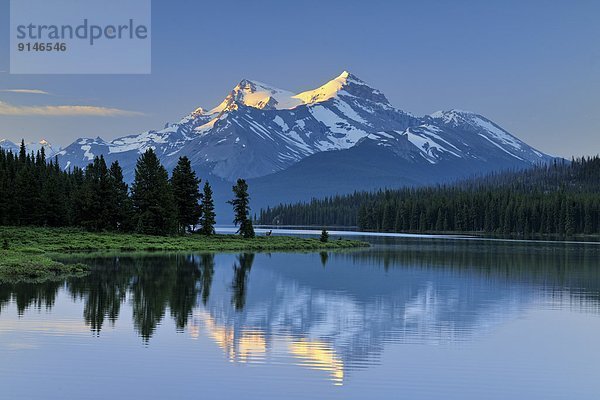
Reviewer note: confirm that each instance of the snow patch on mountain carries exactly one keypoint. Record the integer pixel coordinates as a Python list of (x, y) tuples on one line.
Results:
[(345, 134), (348, 111), (279, 121)]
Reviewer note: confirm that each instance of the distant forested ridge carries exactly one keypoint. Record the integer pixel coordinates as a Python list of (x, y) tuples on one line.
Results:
[(560, 198)]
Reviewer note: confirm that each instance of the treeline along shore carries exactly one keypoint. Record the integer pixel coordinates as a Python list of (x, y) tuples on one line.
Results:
[(560, 199), (39, 193), (45, 209)]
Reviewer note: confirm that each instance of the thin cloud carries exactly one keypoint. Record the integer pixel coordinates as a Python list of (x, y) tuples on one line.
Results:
[(64, 111), (24, 91)]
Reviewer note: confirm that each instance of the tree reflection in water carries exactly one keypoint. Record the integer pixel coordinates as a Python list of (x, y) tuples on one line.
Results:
[(180, 283), (152, 283), (241, 270)]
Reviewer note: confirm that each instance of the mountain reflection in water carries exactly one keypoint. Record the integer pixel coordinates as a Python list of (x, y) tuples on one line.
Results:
[(331, 312)]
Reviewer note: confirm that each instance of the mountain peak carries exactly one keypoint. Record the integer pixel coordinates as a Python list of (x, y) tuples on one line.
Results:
[(346, 84), (256, 94), (250, 86), (348, 77), (327, 91), (345, 75), (245, 82)]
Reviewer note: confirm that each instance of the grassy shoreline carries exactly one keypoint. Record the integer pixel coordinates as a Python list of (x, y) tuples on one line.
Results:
[(32, 252)]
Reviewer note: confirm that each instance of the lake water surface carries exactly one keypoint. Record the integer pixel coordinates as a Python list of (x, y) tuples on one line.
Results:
[(409, 318)]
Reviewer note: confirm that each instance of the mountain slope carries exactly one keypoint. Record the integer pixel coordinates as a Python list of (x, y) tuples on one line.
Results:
[(383, 160)]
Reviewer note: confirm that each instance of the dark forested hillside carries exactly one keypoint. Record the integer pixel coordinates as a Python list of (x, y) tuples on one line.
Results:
[(558, 198)]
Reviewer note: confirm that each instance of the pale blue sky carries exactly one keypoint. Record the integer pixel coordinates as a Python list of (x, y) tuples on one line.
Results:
[(531, 66)]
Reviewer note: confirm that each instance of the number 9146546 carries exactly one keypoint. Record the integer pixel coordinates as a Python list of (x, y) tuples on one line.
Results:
[(38, 46)]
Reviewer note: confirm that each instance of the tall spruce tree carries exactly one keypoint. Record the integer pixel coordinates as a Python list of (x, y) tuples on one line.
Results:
[(153, 201), (55, 211), (241, 209), (22, 152), (187, 194), (121, 206), (101, 195), (207, 220), (95, 201)]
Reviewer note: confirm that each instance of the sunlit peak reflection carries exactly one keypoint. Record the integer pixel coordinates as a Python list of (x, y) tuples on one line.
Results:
[(249, 345), (319, 356)]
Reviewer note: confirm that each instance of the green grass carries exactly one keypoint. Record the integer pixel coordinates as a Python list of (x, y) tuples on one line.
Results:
[(32, 252), (24, 266)]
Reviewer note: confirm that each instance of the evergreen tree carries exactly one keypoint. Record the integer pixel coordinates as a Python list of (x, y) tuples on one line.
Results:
[(94, 197), (22, 152), (153, 202), (27, 194), (362, 220), (569, 219), (387, 223), (187, 195), (101, 195), (121, 205), (55, 210), (207, 220), (324, 236), (241, 209)]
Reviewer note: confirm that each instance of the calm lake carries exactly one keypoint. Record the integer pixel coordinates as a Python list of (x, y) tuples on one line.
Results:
[(411, 318)]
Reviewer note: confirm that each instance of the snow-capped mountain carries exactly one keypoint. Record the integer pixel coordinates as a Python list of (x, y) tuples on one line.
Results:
[(258, 130), (315, 138), (34, 147)]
